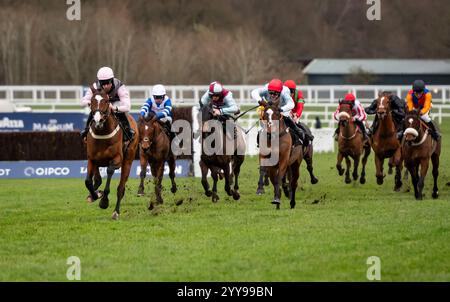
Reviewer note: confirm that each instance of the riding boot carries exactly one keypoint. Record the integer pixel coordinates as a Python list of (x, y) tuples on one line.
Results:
[(85, 131), (168, 127), (308, 135), (399, 128), (129, 133), (434, 131), (336, 134), (363, 128), (374, 126), (297, 131)]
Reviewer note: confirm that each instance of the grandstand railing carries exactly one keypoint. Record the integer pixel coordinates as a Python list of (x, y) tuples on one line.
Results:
[(321, 100)]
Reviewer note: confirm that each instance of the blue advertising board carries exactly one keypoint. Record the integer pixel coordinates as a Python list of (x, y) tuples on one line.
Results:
[(27, 121), (75, 169)]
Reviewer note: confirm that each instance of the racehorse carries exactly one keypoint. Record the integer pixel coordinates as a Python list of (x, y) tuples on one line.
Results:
[(227, 156), (105, 148), (384, 141), (289, 157), (351, 144), (417, 148), (308, 152), (155, 150)]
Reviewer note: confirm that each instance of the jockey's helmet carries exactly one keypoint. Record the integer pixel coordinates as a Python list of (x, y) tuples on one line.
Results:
[(158, 91), (418, 86), (105, 73), (350, 97), (215, 88), (275, 85), (290, 84)]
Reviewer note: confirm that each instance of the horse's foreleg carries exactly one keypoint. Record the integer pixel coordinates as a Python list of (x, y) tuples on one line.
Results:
[(309, 164), (348, 163), (172, 166), (205, 184), (435, 162), (104, 202), (284, 183), (262, 174), (362, 179), (144, 163), (215, 177), (340, 157), (158, 182), (379, 167), (88, 181), (226, 172), (125, 172), (414, 179), (295, 173), (238, 160), (423, 173), (397, 161), (97, 179), (355, 167)]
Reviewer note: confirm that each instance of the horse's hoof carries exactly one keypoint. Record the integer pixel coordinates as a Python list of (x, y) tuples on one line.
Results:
[(380, 180), (348, 180), (151, 206), (292, 205), (104, 203), (215, 198), (89, 199), (275, 201), (115, 216), (208, 193), (390, 171), (314, 181), (100, 194), (286, 192), (362, 181), (435, 195), (159, 200), (266, 182), (173, 189), (140, 194), (236, 195), (260, 191), (340, 171)]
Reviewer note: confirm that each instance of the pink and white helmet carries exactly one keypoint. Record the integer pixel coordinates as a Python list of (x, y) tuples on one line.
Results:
[(105, 73), (215, 88)]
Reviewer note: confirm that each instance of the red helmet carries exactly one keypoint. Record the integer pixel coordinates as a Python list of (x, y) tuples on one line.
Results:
[(349, 97), (276, 85), (290, 84)]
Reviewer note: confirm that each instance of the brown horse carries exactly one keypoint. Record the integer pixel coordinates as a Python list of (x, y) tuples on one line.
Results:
[(289, 157), (384, 141), (351, 145), (225, 155), (417, 148), (155, 150), (105, 148)]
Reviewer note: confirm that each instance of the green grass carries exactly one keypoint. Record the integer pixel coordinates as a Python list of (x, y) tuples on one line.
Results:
[(328, 237)]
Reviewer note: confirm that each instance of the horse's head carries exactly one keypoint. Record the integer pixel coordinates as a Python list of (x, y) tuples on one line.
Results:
[(146, 130), (384, 104), (269, 114), (412, 125), (100, 107), (345, 113)]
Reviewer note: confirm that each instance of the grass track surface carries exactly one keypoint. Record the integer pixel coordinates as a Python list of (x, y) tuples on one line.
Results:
[(328, 237)]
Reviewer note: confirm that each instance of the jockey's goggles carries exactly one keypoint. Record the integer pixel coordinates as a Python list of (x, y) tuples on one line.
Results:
[(106, 82), (158, 97), (214, 94), (274, 93)]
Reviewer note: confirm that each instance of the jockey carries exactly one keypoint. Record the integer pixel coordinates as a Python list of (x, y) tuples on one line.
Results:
[(222, 100), (359, 115), (398, 114), (161, 105), (119, 99), (274, 91), (420, 98), (296, 113)]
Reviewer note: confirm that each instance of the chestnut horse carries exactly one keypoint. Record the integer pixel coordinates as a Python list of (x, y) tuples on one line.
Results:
[(105, 148), (384, 141), (351, 144), (155, 150), (226, 156), (417, 148), (289, 157)]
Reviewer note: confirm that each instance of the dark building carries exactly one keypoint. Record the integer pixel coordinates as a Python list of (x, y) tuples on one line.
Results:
[(377, 71)]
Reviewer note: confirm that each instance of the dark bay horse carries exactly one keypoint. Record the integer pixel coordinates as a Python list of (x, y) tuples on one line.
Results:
[(155, 150), (279, 144), (351, 144), (222, 153), (105, 148), (417, 148), (384, 141)]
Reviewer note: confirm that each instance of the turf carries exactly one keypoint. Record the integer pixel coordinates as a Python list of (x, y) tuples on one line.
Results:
[(327, 237)]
